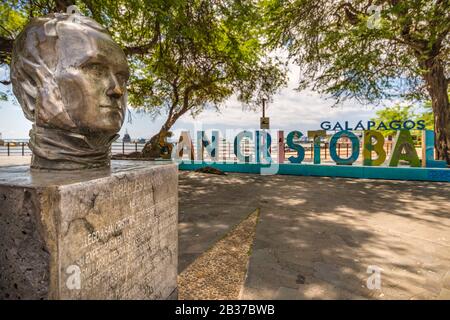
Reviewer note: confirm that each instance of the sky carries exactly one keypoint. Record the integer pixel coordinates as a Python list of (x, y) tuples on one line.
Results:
[(290, 110)]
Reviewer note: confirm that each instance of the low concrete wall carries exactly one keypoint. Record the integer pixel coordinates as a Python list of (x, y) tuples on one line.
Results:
[(328, 170)]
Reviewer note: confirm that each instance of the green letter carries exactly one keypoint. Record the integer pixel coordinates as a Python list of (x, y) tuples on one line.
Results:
[(404, 142)]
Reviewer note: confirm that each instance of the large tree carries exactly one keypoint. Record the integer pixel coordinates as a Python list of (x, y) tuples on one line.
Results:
[(370, 50), (185, 55), (14, 14)]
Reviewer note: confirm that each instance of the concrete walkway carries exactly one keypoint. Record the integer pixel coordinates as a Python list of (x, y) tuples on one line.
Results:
[(209, 207), (323, 238), (14, 160)]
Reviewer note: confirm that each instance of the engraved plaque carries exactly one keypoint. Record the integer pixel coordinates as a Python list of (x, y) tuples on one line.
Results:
[(109, 237)]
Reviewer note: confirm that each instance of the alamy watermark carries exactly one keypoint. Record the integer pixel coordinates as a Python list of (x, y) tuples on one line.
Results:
[(73, 281), (374, 20), (374, 280)]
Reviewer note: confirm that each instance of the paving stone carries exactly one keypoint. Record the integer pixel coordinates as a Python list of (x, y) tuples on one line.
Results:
[(330, 230)]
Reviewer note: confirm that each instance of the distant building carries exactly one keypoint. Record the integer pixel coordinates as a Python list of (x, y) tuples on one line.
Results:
[(126, 137)]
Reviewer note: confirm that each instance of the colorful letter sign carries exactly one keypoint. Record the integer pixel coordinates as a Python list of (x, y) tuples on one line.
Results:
[(211, 146), (263, 143), (404, 150), (373, 151), (237, 146), (428, 151), (300, 150), (316, 135), (368, 147), (185, 143), (355, 147)]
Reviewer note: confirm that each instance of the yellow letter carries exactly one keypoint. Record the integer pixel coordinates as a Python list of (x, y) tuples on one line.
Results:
[(368, 147)]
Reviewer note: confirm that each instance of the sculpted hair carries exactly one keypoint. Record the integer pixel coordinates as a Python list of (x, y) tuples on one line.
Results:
[(33, 65)]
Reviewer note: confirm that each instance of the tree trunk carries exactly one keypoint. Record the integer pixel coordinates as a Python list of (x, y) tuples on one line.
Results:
[(150, 147), (437, 86), (148, 151)]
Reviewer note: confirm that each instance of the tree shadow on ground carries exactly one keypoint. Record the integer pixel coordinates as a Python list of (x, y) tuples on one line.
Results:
[(209, 208), (318, 236), (338, 228)]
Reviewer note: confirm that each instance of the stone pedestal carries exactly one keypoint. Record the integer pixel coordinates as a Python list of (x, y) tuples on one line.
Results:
[(109, 234)]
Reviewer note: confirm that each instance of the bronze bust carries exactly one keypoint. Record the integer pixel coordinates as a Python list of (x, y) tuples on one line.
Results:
[(70, 78)]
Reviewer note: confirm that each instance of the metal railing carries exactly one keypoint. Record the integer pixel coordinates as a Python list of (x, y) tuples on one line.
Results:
[(13, 148), (126, 147)]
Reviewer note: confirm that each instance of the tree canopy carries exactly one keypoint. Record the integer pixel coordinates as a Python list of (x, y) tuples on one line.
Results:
[(185, 55), (369, 50), (345, 55)]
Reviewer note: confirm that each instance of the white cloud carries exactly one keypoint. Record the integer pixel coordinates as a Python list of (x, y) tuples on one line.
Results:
[(290, 110)]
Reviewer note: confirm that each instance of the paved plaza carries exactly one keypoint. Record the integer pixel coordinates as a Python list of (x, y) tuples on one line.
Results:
[(324, 238)]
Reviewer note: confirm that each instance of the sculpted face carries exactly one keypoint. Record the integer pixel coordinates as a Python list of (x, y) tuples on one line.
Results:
[(70, 78), (91, 74)]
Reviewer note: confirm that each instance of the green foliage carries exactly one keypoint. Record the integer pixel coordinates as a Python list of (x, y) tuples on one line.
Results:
[(185, 55), (395, 113), (426, 113), (200, 53), (343, 53), (12, 19), (405, 112)]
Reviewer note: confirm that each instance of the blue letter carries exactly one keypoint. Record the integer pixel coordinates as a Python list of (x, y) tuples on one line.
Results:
[(420, 124), (359, 126), (210, 146), (428, 151), (315, 136), (237, 146), (300, 150), (336, 126), (395, 125), (355, 147), (381, 126), (327, 127), (264, 147), (409, 127)]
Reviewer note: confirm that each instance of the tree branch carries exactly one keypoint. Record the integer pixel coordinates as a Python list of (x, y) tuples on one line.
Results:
[(62, 5), (351, 13), (7, 31), (139, 49), (146, 47), (6, 46)]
